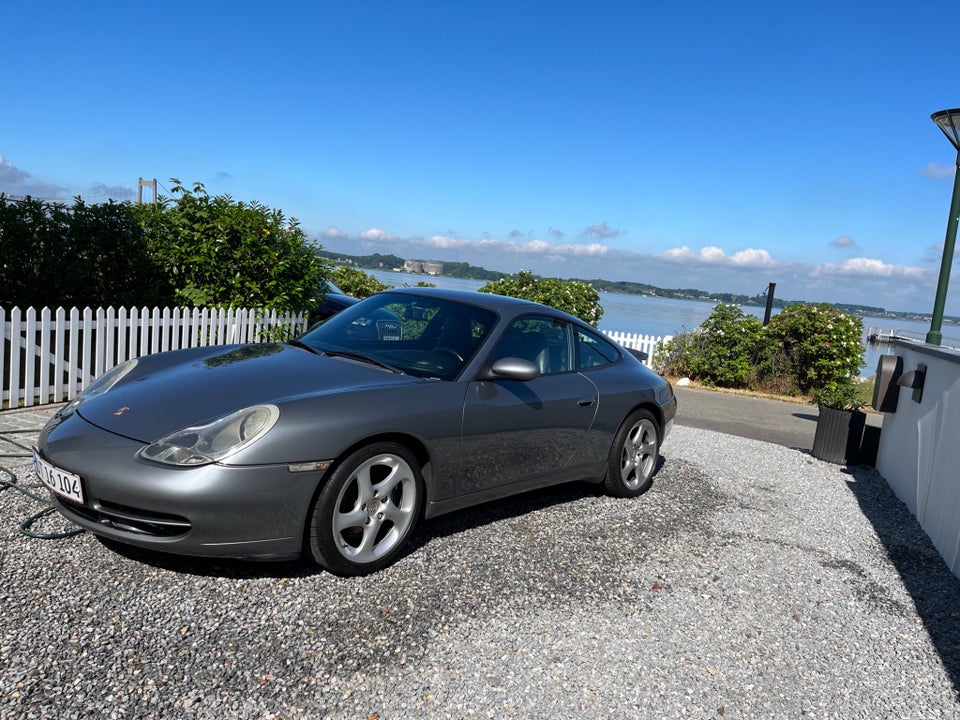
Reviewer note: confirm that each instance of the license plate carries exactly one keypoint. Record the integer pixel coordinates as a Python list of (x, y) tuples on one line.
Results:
[(60, 481)]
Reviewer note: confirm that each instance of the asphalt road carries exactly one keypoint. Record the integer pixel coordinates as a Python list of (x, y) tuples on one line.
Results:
[(785, 423)]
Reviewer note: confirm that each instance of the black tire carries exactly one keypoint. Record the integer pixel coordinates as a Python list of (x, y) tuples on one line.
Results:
[(367, 510), (633, 456)]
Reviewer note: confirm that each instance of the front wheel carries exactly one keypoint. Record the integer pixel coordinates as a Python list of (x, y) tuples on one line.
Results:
[(367, 510), (633, 455)]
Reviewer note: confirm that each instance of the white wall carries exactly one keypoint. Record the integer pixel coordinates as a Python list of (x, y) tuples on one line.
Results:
[(919, 451)]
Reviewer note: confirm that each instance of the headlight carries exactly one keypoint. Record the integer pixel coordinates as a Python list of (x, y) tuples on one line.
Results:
[(205, 444), (101, 385)]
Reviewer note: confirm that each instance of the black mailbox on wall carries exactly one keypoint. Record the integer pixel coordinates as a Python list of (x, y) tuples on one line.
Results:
[(886, 392)]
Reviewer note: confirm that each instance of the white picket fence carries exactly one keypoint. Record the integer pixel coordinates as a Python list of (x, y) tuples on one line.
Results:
[(49, 356), (636, 341)]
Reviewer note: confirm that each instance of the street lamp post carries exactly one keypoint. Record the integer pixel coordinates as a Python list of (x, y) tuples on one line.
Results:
[(949, 122)]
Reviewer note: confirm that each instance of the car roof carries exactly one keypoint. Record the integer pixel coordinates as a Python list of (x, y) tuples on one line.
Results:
[(500, 303)]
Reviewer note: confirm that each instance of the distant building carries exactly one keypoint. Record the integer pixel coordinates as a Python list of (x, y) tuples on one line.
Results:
[(423, 267)]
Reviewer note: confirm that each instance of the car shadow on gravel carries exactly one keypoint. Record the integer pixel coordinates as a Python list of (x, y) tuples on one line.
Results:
[(925, 575), (427, 531), (212, 567), (508, 508)]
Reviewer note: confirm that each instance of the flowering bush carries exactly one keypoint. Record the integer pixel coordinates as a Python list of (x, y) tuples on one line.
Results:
[(730, 344), (823, 344), (805, 348), (572, 296), (671, 358)]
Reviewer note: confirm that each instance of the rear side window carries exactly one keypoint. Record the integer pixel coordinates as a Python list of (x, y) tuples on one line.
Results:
[(594, 351), (543, 341)]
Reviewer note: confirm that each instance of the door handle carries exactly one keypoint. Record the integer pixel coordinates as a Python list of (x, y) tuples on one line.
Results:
[(585, 402)]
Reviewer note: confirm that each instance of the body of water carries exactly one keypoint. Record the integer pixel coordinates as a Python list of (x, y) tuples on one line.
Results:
[(667, 316)]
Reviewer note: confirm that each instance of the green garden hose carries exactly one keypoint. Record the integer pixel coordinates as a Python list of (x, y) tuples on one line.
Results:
[(8, 481)]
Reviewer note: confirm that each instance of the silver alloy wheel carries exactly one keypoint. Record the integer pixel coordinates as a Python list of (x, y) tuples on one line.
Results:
[(638, 457), (375, 508)]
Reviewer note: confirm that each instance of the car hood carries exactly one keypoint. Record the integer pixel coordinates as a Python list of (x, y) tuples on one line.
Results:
[(169, 391)]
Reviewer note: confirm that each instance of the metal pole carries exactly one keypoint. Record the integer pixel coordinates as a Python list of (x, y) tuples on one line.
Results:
[(934, 337), (766, 314)]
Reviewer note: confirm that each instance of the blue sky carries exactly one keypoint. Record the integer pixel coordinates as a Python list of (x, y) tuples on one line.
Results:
[(719, 146)]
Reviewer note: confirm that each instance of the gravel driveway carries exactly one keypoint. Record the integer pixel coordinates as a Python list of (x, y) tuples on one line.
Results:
[(752, 581)]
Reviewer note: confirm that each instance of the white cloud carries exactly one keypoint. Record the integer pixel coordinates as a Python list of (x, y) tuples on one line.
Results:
[(843, 241), (334, 233), (710, 255), (753, 257), (445, 242), (377, 234), (593, 249), (542, 247), (679, 254), (937, 171), (871, 267), (531, 247)]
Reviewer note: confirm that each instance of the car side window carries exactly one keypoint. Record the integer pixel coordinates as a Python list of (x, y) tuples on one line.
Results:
[(543, 341), (594, 351)]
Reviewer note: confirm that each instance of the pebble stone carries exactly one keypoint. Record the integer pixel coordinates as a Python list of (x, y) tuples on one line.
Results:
[(751, 581)]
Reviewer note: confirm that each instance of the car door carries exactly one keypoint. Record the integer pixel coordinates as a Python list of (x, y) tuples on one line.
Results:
[(514, 431)]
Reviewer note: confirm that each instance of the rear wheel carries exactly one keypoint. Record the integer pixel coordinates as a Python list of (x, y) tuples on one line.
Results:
[(633, 455), (367, 510)]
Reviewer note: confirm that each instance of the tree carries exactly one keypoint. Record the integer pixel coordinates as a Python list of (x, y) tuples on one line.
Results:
[(572, 296), (217, 251)]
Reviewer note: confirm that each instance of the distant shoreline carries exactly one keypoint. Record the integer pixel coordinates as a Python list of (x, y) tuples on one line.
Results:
[(465, 271)]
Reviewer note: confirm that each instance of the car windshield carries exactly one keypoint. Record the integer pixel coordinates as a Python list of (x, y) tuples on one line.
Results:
[(415, 334)]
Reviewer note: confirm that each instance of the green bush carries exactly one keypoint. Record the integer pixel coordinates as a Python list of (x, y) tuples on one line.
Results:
[(839, 394), (195, 251), (356, 282), (731, 344), (87, 255), (823, 344), (671, 358), (572, 296)]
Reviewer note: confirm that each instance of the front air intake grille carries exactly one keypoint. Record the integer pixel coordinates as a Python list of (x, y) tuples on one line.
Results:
[(129, 519)]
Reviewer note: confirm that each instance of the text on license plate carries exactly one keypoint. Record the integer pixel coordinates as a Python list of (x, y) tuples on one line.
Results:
[(60, 481)]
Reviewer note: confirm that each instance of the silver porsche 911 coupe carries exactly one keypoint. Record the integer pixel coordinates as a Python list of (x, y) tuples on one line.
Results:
[(409, 404)]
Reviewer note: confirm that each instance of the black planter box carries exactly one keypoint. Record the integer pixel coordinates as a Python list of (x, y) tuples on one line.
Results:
[(838, 437)]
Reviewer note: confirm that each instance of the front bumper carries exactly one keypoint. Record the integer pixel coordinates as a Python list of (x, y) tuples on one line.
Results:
[(214, 510)]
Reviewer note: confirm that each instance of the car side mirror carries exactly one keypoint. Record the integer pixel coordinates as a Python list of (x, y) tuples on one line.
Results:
[(511, 368)]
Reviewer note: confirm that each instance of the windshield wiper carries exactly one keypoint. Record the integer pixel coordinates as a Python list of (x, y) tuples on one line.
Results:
[(363, 358), (303, 346)]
